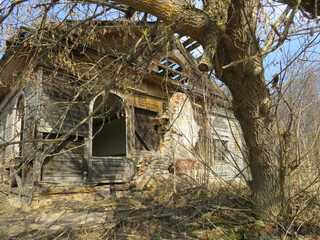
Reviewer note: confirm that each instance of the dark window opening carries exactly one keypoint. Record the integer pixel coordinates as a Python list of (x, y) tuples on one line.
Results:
[(147, 137), (109, 127)]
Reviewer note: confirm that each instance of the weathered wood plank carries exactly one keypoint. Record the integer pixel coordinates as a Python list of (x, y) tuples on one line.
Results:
[(107, 171), (65, 156), (62, 165), (70, 144), (111, 169), (111, 161), (148, 103), (44, 188), (106, 165), (147, 138), (111, 158), (63, 173), (45, 126), (106, 176), (66, 163), (62, 179)]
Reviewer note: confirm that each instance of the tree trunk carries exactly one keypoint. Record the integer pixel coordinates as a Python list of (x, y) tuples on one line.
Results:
[(229, 26), (252, 106)]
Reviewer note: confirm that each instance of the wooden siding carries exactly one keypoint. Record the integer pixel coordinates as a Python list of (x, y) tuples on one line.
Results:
[(60, 116), (60, 113), (57, 118), (111, 169), (9, 154), (148, 103), (65, 164), (2, 150)]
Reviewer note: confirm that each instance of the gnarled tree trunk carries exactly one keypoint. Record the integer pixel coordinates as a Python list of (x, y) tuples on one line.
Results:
[(252, 104), (228, 28)]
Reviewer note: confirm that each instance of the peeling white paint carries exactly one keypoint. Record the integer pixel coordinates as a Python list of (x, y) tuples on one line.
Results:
[(182, 118)]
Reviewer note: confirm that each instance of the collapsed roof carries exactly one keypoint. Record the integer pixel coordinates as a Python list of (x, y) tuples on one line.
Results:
[(159, 55)]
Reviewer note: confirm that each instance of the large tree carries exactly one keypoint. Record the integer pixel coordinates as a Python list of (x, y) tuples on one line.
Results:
[(227, 30)]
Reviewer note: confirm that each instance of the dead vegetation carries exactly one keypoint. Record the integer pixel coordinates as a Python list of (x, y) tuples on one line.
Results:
[(193, 212)]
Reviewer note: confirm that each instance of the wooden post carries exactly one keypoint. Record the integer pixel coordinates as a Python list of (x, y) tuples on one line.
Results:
[(130, 126), (37, 166), (86, 157)]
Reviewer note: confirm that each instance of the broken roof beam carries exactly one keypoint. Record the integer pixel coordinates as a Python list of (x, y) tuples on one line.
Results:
[(193, 46), (172, 70), (187, 42), (190, 44), (205, 63)]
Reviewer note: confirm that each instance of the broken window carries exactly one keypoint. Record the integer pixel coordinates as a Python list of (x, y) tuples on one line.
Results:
[(220, 150), (109, 127), (147, 137)]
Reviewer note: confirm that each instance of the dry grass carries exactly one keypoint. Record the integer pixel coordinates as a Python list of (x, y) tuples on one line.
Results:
[(190, 213)]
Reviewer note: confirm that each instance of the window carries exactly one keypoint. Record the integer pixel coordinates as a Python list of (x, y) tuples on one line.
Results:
[(109, 127), (220, 150)]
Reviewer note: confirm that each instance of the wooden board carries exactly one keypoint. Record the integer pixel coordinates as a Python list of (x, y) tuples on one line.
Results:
[(148, 103), (147, 138), (55, 110), (66, 165), (60, 179), (111, 169)]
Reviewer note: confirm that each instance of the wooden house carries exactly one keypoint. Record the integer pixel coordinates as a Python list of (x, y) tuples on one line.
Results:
[(111, 112)]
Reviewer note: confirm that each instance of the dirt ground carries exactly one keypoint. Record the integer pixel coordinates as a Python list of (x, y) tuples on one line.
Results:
[(12, 220), (190, 213)]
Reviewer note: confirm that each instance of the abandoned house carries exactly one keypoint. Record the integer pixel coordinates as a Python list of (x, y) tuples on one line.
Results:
[(101, 115)]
